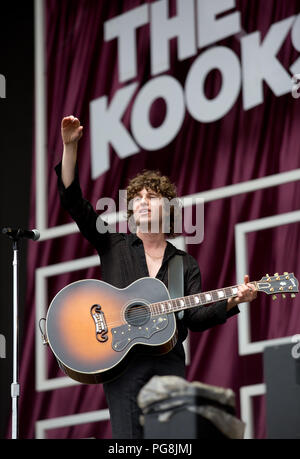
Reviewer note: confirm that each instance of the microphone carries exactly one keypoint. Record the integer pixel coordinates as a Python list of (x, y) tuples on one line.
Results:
[(34, 235)]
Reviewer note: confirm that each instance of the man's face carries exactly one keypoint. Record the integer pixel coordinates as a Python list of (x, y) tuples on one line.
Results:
[(147, 210)]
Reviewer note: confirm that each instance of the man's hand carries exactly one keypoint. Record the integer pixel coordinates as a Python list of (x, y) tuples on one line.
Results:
[(246, 293), (71, 130)]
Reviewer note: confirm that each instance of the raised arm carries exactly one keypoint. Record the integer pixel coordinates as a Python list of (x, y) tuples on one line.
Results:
[(71, 132), (70, 192)]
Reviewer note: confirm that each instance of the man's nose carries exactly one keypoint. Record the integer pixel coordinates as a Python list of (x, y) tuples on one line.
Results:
[(144, 200)]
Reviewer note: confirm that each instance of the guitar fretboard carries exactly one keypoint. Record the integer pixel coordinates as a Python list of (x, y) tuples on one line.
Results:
[(191, 301)]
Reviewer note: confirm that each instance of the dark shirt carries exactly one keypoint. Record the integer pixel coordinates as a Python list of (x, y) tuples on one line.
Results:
[(123, 261)]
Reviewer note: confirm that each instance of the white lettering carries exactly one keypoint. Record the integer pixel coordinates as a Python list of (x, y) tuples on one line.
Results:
[(197, 230), (200, 107), (125, 449), (260, 64), (295, 36), (154, 138), (102, 224), (296, 349), (210, 29), (2, 87), (163, 29), (124, 28), (2, 347), (296, 86), (197, 23), (106, 127)]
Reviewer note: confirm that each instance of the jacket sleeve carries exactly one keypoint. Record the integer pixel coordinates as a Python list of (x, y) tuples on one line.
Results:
[(90, 224), (201, 318)]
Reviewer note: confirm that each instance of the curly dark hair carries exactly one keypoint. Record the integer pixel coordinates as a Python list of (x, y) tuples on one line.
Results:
[(161, 184)]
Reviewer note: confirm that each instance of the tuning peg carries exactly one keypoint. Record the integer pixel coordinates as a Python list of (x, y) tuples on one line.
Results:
[(285, 273), (274, 297), (276, 274), (267, 275), (283, 295), (293, 295)]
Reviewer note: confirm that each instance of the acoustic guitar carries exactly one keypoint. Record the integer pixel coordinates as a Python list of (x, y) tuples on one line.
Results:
[(93, 328)]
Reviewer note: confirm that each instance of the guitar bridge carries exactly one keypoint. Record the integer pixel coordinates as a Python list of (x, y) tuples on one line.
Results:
[(100, 323)]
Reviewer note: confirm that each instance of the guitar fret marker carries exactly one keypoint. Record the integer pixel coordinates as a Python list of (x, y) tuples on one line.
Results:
[(221, 294), (208, 296), (234, 290), (197, 299)]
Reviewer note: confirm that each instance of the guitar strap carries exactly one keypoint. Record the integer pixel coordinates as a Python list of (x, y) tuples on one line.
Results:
[(175, 280)]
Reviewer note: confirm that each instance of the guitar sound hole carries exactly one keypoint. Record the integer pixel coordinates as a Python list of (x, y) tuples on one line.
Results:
[(137, 314)]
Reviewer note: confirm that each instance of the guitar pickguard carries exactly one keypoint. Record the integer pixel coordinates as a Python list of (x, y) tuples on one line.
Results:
[(125, 335)]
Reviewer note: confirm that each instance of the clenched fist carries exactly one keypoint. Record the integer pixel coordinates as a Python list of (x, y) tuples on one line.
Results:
[(71, 130)]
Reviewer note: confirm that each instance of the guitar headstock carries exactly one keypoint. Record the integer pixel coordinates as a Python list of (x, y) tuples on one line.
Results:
[(282, 284)]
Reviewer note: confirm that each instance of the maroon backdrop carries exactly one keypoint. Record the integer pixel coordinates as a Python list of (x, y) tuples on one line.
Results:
[(242, 146)]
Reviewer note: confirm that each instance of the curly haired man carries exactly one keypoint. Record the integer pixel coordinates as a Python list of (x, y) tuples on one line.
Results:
[(141, 253)]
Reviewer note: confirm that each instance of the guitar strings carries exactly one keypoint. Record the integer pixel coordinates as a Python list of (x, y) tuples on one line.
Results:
[(140, 314), (139, 311), (186, 299)]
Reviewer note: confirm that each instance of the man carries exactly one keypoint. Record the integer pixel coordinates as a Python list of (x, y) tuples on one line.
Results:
[(128, 257)]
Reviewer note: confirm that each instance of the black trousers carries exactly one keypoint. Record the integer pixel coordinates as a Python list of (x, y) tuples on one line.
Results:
[(121, 394)]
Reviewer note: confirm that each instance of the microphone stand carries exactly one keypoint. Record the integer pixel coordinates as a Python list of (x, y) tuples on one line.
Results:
[(15, 386), (15, 235)]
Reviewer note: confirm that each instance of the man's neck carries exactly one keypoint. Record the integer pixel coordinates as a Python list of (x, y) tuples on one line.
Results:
[(152, 240)]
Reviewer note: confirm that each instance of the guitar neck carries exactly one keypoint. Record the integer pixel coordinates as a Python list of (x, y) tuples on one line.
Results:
[(191, 301), (281, 284)]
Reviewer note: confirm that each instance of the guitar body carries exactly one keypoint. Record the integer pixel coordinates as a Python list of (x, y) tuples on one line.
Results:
[(93, 328)]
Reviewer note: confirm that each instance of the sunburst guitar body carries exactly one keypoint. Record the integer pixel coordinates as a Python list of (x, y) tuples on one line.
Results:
[(92, 327)]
